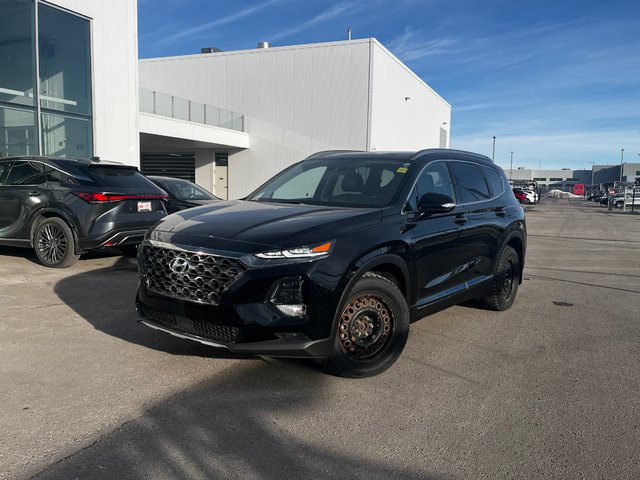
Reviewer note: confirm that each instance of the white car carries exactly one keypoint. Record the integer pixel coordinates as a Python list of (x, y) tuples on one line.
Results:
[(532, 196)]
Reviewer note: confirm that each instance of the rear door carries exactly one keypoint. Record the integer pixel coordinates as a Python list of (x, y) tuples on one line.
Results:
[(478, 219), (21, 192)]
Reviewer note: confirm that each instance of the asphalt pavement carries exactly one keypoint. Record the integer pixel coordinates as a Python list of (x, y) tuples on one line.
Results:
[(548, 389)]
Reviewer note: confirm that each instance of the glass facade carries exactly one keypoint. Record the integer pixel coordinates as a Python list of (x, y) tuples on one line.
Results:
[(56, 118)]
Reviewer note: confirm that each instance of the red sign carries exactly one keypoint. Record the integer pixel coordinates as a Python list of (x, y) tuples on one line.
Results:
[(612, 191)]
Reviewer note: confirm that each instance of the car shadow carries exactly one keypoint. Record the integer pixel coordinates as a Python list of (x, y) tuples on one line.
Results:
[(105, 298), (30, 255), (253, 420)]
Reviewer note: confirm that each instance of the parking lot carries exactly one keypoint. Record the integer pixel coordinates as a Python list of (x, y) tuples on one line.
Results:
[(548, 389)]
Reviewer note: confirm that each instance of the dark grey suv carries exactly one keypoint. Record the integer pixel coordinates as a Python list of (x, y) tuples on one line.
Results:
[(63, 207)]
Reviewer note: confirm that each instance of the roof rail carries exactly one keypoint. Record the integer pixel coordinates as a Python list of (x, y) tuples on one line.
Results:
[(451, 151), (329, 152)]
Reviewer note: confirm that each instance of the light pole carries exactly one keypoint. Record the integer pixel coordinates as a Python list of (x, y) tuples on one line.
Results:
[(511, 168), (621, 161), (493, 155), (593, 164)]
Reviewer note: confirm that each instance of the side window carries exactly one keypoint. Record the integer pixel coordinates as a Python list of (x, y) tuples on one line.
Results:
[(470, 183), (25, 173), (3, 169), (433, 179), (496, 184), (53, 175)]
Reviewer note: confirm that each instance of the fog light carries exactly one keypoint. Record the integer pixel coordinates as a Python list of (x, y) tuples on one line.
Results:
[(297, 310), (286, 296)]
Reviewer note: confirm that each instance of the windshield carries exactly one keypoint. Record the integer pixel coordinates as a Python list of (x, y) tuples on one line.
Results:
[(361, 182), (184, 190)]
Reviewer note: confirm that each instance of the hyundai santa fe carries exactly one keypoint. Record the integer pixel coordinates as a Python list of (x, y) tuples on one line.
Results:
[(63, 207), (335, 256)]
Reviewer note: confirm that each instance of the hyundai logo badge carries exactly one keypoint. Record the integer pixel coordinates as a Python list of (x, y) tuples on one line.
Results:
[(180, 265)]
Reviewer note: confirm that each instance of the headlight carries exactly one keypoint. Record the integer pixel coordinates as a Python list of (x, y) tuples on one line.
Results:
[(300, 252)]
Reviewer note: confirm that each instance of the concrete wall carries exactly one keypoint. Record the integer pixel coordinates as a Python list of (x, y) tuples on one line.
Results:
[(114, 52), (406, 114), (302, 99)]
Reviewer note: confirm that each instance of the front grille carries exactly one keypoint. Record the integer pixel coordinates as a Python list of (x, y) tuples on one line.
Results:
[(197, 277), (212, 331), (163, 318)]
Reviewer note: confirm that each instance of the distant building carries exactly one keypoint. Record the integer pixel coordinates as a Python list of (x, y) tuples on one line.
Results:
[(565, 178)]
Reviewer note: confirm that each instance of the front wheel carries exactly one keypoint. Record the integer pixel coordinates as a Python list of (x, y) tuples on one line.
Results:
[(505, 281), (373, 326), (54, 245)]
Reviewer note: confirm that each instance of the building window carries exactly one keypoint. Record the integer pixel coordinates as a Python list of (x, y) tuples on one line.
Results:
[(637, 172), (555, 179), (540, 179), (18, 134), (65, 126)]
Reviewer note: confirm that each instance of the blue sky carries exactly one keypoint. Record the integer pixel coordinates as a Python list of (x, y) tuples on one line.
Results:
[(557, 82)]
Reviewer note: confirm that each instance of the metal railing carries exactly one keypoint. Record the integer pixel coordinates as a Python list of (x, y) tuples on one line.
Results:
[(166, 105)]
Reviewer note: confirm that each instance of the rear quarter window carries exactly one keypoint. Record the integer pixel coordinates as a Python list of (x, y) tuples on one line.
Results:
[(494, 179), (469, 182)]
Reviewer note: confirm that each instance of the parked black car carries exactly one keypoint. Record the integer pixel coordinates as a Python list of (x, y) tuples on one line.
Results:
[(64, 207), (183, 193), (332, 258)]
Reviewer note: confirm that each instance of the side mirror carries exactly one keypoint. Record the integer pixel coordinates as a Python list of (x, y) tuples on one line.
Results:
[(431, 203)]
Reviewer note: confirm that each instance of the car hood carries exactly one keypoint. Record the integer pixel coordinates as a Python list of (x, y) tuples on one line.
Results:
[(249, 227)]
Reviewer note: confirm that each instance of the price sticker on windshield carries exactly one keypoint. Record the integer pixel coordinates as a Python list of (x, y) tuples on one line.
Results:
[(402, 170)]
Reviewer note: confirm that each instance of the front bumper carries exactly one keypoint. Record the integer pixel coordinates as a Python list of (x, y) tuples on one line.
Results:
[(244, 321)]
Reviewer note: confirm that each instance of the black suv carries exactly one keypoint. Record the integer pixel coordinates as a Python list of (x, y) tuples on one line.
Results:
[(335, 256), (63, 207)]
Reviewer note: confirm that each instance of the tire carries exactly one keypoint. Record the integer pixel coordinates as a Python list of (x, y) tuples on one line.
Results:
[(505, 282), (375, 308), (54, 243), (130, 251)]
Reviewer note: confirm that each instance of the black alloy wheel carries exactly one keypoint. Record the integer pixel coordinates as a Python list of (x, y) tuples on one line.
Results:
[(54, 243), (373, 326)]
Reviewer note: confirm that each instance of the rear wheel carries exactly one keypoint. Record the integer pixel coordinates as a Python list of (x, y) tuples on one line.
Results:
[(54, 245), (505, 282), (372, 329)]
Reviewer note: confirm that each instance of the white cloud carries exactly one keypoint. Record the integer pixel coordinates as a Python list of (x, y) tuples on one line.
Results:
[(410, 46), (339, 9), (220, 21)]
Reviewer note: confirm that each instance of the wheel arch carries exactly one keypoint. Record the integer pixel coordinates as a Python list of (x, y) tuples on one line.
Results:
[(516, 242), (46, 213)]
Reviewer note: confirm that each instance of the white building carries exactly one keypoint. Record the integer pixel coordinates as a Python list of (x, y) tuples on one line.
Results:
[(71, 85), (295, 101)]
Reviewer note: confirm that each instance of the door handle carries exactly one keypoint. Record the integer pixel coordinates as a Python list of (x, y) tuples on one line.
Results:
[(500, 212), (460, 219), (34, 194)]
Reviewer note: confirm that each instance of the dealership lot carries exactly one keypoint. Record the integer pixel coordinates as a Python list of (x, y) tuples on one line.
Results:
[(546, 389)]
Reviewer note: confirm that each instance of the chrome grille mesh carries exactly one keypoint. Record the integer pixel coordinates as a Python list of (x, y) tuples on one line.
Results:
[(199, 277)]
